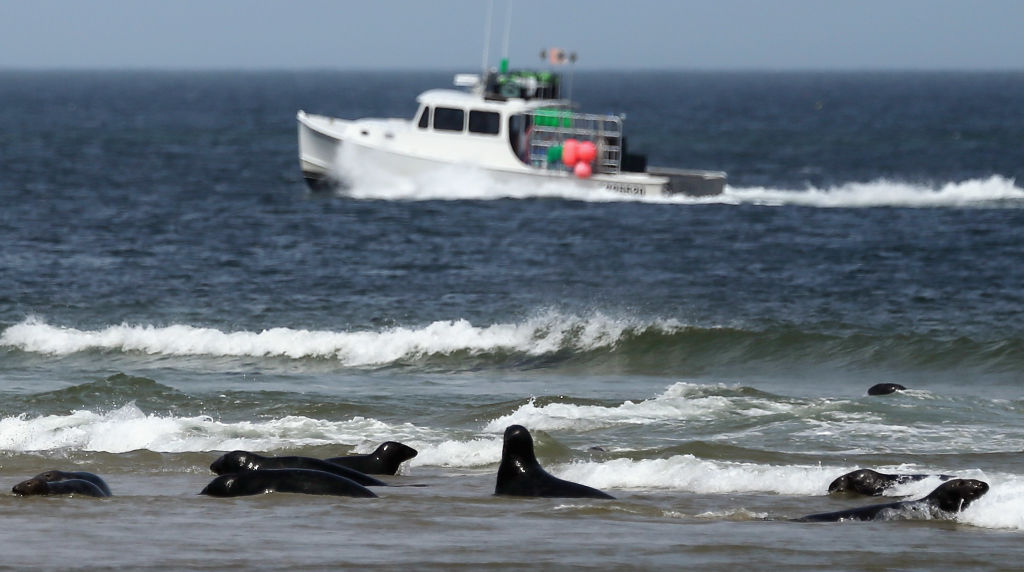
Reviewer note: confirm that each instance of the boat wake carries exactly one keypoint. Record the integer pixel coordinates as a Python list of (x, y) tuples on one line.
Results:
[(369, 181), (995, 191)]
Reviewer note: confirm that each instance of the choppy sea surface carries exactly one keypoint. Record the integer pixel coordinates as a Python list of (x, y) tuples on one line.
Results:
[(170, 290)]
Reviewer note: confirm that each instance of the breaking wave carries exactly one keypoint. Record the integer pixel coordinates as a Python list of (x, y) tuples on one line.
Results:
[(550, 337), (547, 333)]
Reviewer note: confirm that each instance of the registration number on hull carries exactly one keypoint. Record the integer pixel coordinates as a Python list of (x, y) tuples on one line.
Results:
[(625, 188)]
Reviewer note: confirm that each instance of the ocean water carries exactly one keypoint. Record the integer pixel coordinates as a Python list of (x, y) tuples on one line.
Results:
[(170, 290)]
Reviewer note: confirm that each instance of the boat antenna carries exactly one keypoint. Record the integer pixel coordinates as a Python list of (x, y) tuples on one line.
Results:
[(508, 32), (572, 69), (487, 35)]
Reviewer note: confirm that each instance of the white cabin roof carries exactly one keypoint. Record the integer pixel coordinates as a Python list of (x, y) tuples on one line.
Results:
[(465, 99)]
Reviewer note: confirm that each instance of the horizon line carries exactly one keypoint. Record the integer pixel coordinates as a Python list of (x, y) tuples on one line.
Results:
[(587, 70)]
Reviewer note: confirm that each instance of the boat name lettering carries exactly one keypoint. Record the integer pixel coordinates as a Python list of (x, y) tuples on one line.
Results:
[(625, 188)]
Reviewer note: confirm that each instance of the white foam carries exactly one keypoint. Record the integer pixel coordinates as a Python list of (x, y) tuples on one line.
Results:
[(369, 179), (1001, 507), (477, 452), (545, 333), (681, 401), (128, 428), (689, 474), (993, 191)]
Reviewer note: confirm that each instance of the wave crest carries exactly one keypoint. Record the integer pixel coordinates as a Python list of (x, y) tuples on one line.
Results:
[(545, 334)]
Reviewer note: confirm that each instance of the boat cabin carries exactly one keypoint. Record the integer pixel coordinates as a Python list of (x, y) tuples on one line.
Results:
[(523, 109)]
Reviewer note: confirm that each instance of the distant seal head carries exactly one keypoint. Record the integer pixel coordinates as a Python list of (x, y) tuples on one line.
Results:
[(55, 475), (944, 502), (36, 487), (304, 481), (519, 473), (237, 461), (872, 483), (885, 388), (385, 460)]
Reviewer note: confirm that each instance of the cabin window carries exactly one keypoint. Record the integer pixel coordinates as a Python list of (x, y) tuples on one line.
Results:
[(424, 118), (486, 122), (448, 119)]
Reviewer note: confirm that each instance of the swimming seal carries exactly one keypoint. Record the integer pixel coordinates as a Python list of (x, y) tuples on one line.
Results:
[(872, 483), (55, 475), (519, 473), (942, 503), (237, 461), (885, 388), (385, 460), (36, 486), (305, 481)]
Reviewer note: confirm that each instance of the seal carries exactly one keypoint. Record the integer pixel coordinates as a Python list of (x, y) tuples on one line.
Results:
[(385, 460), (55, 475), (944, 502), (519, 473), (872, 483), (36, 486), (305, 481), (237, 461), (885, 388)]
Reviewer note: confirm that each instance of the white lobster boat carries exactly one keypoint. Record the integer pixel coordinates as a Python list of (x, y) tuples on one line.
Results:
[(513, 125)]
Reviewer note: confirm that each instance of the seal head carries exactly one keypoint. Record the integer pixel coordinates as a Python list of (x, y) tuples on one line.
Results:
[(519, 473), (957, 494), (385, 460)]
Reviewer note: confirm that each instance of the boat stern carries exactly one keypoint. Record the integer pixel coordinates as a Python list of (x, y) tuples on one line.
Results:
[(690, 182)]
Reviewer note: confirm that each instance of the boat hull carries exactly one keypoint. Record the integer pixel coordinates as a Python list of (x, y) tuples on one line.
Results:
[(323, 140)]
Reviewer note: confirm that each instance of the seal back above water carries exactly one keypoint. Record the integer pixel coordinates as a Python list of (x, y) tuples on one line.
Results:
[(237, 461), (54, 475), (885, 388), (38, 487), (304, 481), (872, 483)]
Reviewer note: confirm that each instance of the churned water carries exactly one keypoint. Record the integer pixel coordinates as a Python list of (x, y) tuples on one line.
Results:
[(169, 290)]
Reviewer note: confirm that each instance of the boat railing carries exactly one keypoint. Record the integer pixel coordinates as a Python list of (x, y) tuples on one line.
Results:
[(552, 127)]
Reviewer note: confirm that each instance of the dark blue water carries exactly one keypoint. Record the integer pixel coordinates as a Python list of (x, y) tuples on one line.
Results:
[(169, 289)]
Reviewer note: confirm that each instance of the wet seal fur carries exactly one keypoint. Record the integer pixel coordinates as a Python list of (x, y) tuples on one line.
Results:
[(37, 487), (872, 483), (885, 388), (55, 475), (519, 473), (944, 502), (304, 481), (238, 461), (385, 460)]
